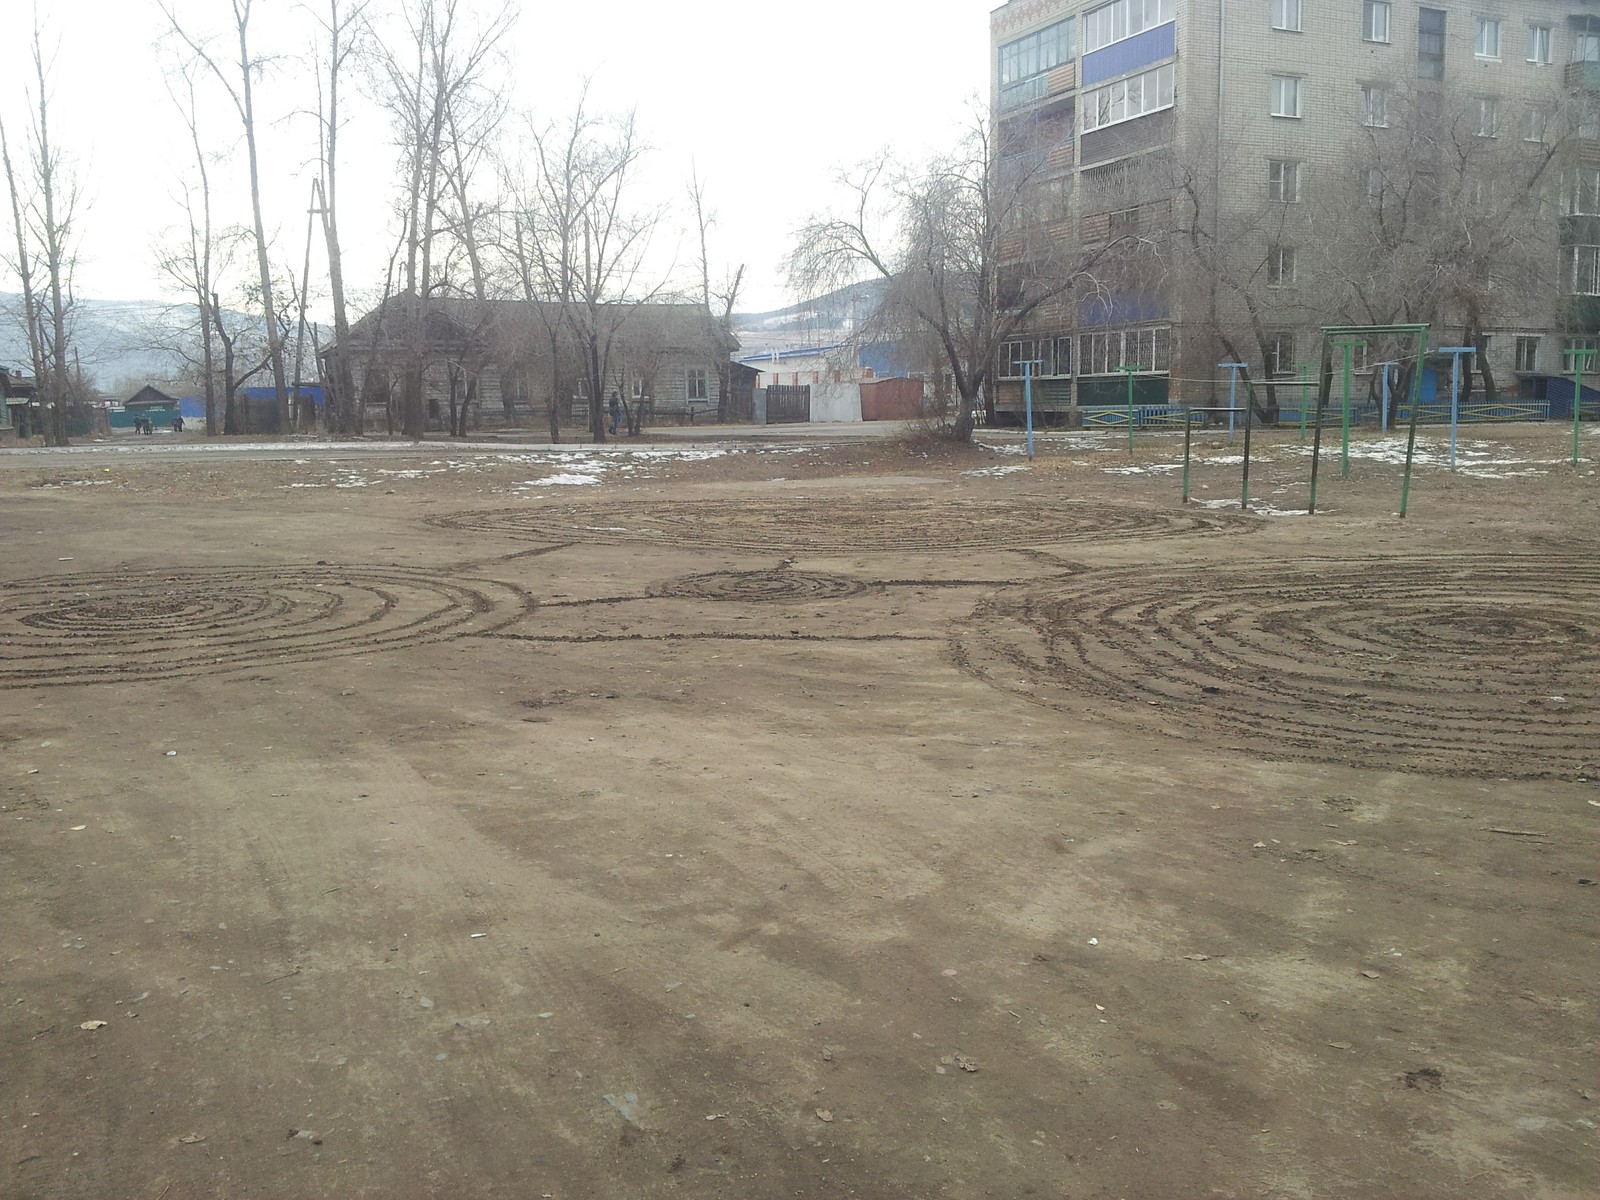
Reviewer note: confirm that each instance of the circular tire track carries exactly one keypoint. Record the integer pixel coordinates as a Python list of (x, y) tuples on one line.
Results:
[(116, 626), (840, 525), (1449, 665), (756, 587)]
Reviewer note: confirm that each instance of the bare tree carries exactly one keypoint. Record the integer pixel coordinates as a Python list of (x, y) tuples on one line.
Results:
[(961, 251), (241, 91), (1445, 217), (44, 211), (23, 263), (341, 34), (191, 267), (726, 295), (430, 85)]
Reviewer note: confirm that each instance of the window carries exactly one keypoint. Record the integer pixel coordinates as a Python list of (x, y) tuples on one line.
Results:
[(1584, 270), (1539, 44), (1375, 20), (1286, 15), (1527, 354), (1430, 43), (1579, 348), (1128, 98), (1102, 353), (1589, 124), (1374, 107), (1283, 180), (694, 384), (1586, 47), (1026, 62), (1488, 43), (1372, 183), (1286, 95), (1583, 193), (1281, 355), (1280, 266), (1049, 356), (1488, 116), (1122, 19), (1533, 121)]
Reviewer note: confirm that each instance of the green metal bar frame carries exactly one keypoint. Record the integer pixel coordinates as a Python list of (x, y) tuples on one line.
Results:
[(1420, 332), (1129, 372)]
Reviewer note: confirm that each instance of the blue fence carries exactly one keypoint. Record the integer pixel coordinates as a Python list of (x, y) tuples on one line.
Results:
[(1145, 416)]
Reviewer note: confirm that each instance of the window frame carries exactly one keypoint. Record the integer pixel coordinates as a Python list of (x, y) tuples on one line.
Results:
[(1112, 103), (1282, 340), (1283, 180), (1289, 10), (1585, 186), (1534, 120), (1549, 44), (1488, 116), (1432, 61), (1489, 29), (1278, 81), (1584, 260), (1527, 353), (1280, 266), (1582, 40), (1026, 86), (1370, 9), (690, 375), (1374, 106)]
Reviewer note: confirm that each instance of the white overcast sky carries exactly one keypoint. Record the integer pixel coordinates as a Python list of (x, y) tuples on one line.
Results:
[(768, 100)]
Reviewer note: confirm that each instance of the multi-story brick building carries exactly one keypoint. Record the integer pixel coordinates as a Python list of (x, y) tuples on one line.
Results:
[(1270, 135)]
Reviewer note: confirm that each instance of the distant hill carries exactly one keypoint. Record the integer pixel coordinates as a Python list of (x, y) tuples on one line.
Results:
[(119, 342)]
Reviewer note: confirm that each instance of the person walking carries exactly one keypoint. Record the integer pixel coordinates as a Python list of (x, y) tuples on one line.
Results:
[(615, 408)]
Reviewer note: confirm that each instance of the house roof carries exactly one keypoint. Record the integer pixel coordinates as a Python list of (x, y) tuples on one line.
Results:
[(150, 396), (472, 323), (16, 385)]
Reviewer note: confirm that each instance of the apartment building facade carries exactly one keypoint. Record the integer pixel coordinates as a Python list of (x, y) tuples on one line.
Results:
[(1270, 134)]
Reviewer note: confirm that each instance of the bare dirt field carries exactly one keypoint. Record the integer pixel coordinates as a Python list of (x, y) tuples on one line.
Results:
[(870, 820)]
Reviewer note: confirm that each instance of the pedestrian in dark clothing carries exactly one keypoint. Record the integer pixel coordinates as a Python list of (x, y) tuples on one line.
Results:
[(616, 412)]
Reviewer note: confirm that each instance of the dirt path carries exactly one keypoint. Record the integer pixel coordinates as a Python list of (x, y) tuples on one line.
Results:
[(804, 822)]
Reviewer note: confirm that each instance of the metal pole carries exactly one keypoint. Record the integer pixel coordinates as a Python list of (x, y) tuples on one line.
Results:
[(1129, 371), (1316, 450), (1416, 407), (1188, 437), (1580, 359), (1455, 353), (1233, 391), (1305, 382), (1027, 399), (1249, 412), (1344, 452), (1384, 417)]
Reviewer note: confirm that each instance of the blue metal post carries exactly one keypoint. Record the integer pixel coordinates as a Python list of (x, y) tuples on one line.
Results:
[(1233, 392), (1027, 400), (1383, 418), (1455, 353)]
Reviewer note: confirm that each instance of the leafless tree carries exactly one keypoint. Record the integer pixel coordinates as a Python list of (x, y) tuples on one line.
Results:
[(583, 240), (191, 266), (720, 301), (44, 208), (340, 40), (963, 250), (240, 89), (1445, 216), (430, 85)]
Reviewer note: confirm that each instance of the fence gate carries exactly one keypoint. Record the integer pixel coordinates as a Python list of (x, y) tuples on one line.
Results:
[(788, 405)]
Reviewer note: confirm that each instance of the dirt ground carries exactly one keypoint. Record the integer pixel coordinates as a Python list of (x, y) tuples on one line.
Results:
[(853, 820)]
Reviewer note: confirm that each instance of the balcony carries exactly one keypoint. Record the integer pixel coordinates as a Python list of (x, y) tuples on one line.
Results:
[(1583, 76)]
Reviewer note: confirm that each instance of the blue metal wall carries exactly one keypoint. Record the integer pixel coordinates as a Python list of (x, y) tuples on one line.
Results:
[(1141, 50)]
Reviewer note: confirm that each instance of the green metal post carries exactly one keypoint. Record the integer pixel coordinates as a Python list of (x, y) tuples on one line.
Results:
[(1188, 438), (1344, 452), (1580, 359), (1305, 382), (1249, 412), (1129, 372), (1416, 406)]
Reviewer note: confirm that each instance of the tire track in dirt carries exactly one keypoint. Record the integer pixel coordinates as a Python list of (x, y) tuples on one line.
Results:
[(1471, 664), (118, 626), (838, 525)]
